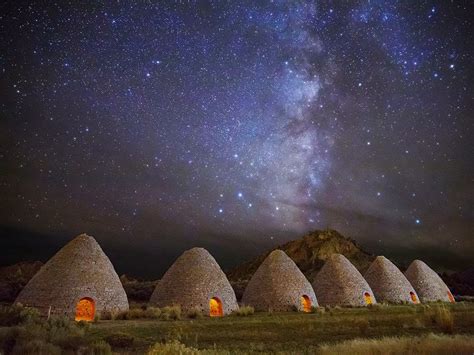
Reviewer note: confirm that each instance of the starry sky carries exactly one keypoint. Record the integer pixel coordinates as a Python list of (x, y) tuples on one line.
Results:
[(236, 126)]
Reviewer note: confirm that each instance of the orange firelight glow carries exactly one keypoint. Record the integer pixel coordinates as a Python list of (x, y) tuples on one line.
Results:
[(413, 297), (306, 303), (451, 297), (85, 309), (368, 298), (215, 307)]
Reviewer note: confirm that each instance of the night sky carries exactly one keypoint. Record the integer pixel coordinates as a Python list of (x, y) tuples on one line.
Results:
[(236, 126)]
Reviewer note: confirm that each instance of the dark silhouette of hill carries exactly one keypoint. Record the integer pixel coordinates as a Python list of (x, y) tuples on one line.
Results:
[(14, 277), (461, 283)]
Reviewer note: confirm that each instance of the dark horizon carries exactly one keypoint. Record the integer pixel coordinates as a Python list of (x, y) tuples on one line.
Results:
[(151, 263), (157, 127)]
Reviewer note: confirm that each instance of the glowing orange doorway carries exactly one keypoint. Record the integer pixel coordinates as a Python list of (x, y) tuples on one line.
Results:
[(85, 309), (413, 297), (306, 303), (368, 298), (451, 297), (215, 307)]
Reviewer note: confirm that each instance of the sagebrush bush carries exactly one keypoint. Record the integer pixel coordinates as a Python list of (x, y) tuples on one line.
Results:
[(120, 340), (36, 335), (135, 313), (36, 347), (16, 314), (171, 348), (319, 310), (99, 348), (195, 313), (153, 313), (171, 313), (9, 315), (244, 311), (107, 315)]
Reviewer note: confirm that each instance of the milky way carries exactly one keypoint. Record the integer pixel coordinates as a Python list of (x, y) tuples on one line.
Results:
[(155, 127)]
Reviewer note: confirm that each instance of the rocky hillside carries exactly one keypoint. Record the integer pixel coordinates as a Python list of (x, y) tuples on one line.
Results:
[(310, 253)]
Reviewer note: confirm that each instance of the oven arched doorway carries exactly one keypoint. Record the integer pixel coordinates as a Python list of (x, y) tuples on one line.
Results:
[(215, 307), (368, 298), (85, 309), (306, 303)]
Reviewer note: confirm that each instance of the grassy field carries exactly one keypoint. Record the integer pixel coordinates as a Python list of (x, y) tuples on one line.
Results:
[(293, 332), (402, 329)]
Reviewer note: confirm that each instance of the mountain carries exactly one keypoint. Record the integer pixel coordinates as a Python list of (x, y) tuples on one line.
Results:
[(309, 253), (14, 277)]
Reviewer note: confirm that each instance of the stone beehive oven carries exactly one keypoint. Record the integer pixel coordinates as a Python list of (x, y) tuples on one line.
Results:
[(195, 280), (79, 272), (427, 283), (279, 285), (339, 283), (388, 283)]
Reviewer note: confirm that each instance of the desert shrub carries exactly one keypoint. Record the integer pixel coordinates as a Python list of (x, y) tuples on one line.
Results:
[(36, 347), (10, 315), (40, 336), (171, 348), (16, 314), (244, 311), (135, 313), (29, 314), (171, 313), (153, 313), (122, 315), (83, 325), (195, 313), (120, 340), (99, 348), (320, 310), (65, 333), (8, 338)]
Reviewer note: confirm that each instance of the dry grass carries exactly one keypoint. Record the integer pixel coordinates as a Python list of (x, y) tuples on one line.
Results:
[(146, 313), (195, 313), (244, 311), (171, 348), (263, 332), (444, 319), (430, 344)]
